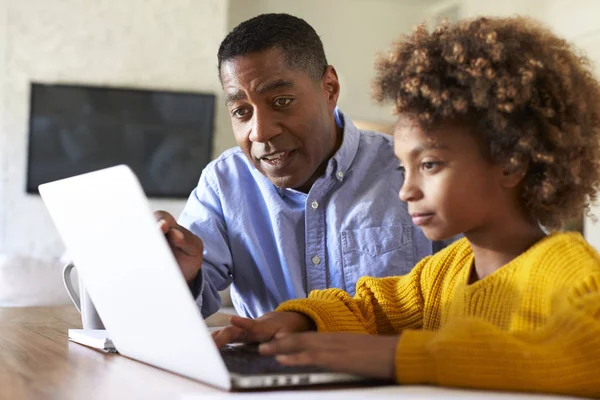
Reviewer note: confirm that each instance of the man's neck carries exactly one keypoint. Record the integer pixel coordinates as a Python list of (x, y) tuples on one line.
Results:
[(339, 138)]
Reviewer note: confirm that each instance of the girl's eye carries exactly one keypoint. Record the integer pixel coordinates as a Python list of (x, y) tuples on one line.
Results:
[(401, 169), (282, 102), (429, 165)]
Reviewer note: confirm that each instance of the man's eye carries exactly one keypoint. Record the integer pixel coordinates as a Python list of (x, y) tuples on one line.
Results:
[(239, 112), (282, 102)]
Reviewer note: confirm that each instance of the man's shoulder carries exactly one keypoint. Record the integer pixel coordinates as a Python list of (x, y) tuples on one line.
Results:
[(375, 153), (374, 138), (232, 172), (376, 144), (230, 160), (227, 157)]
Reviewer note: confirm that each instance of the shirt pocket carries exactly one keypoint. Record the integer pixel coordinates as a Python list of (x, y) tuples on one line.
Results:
[(376, 251)]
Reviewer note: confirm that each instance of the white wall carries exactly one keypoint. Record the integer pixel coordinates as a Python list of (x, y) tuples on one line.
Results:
[(534, 8), (3, 137), (162, 44), (172, 44), (352, 32), (577, 20)]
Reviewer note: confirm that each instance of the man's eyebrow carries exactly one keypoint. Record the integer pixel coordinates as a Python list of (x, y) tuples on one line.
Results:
[(234, 96), (274, 85), (261, 89)]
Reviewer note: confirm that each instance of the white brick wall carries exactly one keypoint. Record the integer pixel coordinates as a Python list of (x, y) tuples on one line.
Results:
[(163, 44)]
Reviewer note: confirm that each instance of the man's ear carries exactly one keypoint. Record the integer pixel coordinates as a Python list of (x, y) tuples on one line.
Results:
[(331, 86)]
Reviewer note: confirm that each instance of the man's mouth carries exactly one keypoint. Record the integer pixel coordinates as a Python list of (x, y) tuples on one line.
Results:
[(274, 157), (278, 159)]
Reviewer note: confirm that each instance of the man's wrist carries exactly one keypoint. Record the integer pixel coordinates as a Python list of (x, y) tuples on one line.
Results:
[(193, 283)]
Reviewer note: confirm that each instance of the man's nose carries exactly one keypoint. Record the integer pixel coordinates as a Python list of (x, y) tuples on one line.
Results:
[(264, 127)]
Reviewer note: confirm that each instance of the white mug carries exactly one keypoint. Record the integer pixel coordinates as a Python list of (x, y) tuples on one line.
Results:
[(89, 316)]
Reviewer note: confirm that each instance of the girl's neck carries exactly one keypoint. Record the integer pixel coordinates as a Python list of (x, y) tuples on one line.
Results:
[(497, 246)]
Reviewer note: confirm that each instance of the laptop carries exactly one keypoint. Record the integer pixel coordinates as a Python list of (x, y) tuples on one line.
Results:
[(110, 231)]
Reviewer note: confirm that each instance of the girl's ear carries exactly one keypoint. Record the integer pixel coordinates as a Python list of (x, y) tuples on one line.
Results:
[(512, 175)]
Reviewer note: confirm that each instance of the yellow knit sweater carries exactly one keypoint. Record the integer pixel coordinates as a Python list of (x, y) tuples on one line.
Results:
[(532, 325)]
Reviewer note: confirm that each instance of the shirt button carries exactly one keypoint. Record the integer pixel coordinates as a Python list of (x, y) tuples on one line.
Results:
[(340, 175), (315, 205), (316, 260)]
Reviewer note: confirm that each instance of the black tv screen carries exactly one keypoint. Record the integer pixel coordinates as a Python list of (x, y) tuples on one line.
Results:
[(165, 137)]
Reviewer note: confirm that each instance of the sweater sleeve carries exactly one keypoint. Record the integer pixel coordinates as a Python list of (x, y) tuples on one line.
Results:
[(381, 305), (562, 357)]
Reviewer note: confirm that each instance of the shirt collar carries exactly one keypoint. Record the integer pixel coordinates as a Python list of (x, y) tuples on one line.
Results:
[(342, 159)]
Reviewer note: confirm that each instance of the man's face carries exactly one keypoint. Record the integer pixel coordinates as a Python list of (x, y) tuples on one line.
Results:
[(282, 119)]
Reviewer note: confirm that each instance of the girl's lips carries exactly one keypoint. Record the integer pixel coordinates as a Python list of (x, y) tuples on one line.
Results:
[(421, 218)]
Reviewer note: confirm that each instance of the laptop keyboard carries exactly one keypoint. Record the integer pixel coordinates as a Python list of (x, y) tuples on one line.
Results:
[(246, 360)]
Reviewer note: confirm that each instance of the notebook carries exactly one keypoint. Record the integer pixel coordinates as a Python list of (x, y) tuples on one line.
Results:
[(100, 340), (95, 338)]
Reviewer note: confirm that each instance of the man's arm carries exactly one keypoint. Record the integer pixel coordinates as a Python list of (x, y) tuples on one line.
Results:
[(209, 270), (203, 216)]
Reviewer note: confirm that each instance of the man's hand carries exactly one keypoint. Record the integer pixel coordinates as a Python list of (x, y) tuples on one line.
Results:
[(186, 247), (354, 353), (246, 330)]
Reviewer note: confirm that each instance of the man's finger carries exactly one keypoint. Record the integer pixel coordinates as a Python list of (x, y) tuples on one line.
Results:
[(164, 220), (185, 241), (163, 226), (176, 236)]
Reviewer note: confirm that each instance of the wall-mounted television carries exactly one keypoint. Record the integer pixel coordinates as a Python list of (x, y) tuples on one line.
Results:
[(164, 136)]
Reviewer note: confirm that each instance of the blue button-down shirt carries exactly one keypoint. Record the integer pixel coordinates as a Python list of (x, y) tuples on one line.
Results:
[(276, 244)]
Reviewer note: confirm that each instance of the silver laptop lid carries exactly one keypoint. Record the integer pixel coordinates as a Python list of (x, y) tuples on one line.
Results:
[(106, 223)]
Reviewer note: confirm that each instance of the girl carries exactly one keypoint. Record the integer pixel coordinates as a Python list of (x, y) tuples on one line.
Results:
[(498, 135)]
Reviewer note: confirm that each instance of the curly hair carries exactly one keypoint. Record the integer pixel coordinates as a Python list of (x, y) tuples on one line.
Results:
[(529, 93)]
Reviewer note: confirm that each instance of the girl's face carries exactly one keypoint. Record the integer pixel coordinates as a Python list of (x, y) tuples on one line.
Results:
[(449, 184)]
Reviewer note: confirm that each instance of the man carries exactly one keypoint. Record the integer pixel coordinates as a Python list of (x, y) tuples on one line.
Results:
[(307, 201)]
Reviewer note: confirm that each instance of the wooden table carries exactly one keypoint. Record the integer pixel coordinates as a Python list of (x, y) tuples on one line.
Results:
[(38, 362)]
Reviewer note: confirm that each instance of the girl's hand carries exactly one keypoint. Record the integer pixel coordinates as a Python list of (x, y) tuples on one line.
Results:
[(263, 329), (359, 354)]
